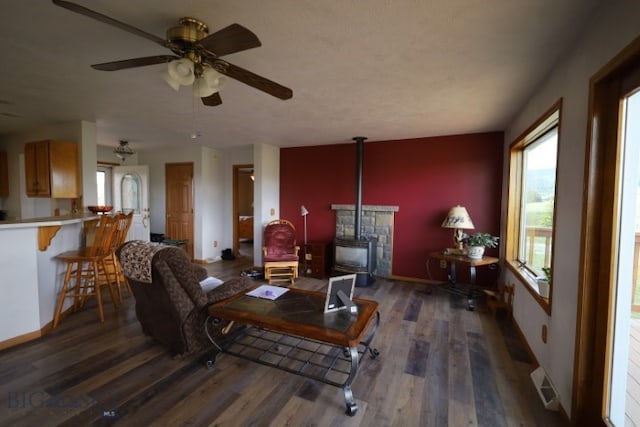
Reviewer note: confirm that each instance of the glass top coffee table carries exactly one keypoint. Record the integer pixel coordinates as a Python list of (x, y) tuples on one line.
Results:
[(294, 334)]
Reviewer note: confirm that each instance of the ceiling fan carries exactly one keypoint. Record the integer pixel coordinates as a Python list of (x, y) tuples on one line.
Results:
[(196, 58)]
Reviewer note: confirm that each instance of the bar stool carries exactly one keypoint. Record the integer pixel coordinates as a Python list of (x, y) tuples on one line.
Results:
[(86, 270), (122, 226)]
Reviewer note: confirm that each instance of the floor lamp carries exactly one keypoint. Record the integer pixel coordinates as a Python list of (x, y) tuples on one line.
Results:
[(304, 212)]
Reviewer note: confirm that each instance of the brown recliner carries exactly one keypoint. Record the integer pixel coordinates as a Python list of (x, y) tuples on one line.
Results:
[(170, 303)]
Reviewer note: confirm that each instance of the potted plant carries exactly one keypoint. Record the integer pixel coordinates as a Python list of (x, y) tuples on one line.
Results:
[(476, 243), (543, 282)]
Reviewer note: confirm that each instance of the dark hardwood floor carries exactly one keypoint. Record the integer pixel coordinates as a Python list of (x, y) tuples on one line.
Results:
[(439, 365)]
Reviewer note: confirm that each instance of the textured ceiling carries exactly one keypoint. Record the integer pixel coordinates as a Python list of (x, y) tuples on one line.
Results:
[(380, 68)]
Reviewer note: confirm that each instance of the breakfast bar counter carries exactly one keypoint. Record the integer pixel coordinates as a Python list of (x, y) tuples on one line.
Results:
[(30, 275)]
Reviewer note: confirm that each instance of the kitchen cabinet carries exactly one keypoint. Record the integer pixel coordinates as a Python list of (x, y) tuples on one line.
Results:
[(4, 175), (51, 169)]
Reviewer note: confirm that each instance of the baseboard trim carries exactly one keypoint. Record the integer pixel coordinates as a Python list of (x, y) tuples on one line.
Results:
[(415, 280), (30, 336), (20, 339)]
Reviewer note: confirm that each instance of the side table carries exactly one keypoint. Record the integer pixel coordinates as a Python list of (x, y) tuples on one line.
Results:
[(315, 259), (452, 260)]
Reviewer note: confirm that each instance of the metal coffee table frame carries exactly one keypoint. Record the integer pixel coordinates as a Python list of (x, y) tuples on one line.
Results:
[(321, 361)]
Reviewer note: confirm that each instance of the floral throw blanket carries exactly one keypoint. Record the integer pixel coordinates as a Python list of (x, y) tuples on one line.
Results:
[(135, 258)]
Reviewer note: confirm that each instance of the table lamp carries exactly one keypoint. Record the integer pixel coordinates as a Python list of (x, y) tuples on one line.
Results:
[(458, 218)]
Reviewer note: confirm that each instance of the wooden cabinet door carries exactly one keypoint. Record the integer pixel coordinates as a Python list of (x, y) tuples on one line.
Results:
[(51, 169), (63, 170), (36, 163)]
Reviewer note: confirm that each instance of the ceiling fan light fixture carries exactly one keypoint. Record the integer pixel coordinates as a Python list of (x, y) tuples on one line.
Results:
[(181, 71), (170, 80), (208, 83), (193, 48)]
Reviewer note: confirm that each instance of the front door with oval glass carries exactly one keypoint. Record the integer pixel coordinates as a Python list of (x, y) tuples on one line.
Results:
[(131, 192)]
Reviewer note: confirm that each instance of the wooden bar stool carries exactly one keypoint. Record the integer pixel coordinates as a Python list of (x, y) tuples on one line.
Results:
[(86, 270), (122, 226)]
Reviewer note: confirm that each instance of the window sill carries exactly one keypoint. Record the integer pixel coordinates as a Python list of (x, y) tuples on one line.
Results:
[(530, 284)]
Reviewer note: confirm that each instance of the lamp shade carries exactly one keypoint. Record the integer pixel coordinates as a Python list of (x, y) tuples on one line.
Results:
[(303, 211), (170, 81), (181, 71), (458, 217), (208, 83)]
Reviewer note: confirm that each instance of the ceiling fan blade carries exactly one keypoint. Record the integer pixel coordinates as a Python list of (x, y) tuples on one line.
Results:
[(108, 20), (212, 100), (251, 79), (231, 39), (132, 63)]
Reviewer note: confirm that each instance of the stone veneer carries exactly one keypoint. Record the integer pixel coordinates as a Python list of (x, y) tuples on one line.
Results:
[(377, 221)]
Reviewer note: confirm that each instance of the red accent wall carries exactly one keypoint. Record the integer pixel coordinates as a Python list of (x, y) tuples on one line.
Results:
[(424, 177)]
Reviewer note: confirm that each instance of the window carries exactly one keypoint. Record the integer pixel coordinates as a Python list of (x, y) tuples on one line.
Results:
[(103, 180), (532, 194), (130, 192)]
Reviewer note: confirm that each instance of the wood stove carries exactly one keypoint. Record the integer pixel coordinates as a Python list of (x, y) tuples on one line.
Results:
[(357, 255)]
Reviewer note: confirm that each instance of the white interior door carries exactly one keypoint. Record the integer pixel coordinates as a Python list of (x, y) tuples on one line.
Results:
[(131, 191)]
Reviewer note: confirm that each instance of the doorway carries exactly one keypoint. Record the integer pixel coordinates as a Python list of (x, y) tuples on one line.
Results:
[(243, 224), (131, 192), (603, 381), (623, 347), (179, 203)]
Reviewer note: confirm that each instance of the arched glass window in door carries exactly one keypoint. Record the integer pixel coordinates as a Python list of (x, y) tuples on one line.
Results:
[(130, 192)]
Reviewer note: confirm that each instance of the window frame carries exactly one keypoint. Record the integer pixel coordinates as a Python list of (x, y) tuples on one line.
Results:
[(517, 148), (107, 169)]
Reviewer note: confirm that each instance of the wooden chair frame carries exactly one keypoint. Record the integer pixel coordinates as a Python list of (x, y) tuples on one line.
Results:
[(281, 271), (86, 272)]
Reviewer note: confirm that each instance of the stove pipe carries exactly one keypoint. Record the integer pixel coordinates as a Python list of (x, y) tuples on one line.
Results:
[(358, 206)]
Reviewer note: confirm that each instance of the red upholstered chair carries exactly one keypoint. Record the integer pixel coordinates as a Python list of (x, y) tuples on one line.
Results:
[(280, 253)]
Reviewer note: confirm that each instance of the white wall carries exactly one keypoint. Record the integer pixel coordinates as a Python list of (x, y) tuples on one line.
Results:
[(615, 25), (31, 279), (212, 206), (88, 153), (266, 193), (19, 313)]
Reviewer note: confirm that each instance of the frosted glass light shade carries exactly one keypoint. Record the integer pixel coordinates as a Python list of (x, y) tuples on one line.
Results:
[(181, 71), (170, 81), (208, 83)]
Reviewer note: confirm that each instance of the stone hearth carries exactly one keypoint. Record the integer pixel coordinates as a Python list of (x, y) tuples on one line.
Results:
[(377, 221)]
